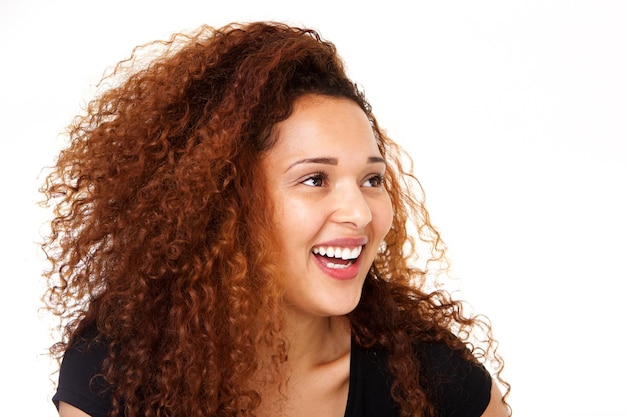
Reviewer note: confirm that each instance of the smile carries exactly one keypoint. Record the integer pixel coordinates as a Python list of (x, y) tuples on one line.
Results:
[(340, 260), (346, 254)]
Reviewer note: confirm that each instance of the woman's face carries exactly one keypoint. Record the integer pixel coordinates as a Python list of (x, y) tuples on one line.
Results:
[(325, 178)]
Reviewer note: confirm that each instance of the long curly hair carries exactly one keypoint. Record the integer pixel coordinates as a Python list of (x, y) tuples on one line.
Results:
[(162, 239)]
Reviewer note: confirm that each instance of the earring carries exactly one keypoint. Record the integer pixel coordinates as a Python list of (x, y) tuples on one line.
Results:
[(382, 248)]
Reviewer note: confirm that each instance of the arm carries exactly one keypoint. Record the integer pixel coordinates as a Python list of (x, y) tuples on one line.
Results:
[(496, 407), (82, 391), (66, 410)]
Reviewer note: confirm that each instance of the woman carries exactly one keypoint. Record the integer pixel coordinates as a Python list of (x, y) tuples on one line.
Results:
[(230, 239)]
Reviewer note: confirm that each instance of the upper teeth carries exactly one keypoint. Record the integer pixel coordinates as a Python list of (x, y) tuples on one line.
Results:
[(337, 252)]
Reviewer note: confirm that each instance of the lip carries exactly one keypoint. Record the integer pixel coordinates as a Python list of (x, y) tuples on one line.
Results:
[(349, 242), (349, 272), (343, 274)]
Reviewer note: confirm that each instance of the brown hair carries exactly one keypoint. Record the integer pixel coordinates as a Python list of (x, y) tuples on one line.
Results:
[(159, 242)]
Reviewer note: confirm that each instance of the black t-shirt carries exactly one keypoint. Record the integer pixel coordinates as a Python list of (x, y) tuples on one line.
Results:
[(80, 383), (456, 387)]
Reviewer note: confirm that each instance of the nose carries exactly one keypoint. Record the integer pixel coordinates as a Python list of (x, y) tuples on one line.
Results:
[(351, 207)]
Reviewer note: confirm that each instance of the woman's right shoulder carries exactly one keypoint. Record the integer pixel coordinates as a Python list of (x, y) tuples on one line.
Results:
[(86, 350), (81, 383)]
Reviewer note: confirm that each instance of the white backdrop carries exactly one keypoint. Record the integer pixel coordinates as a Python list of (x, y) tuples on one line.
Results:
[(514, 112)]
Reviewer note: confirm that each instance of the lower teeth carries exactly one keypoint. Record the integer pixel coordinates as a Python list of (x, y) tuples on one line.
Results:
[(338, 266)]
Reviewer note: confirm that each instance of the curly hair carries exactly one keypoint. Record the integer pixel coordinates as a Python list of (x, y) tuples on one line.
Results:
[(159, 242)]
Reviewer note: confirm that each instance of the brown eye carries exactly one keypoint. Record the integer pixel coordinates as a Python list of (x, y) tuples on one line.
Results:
[(375, 181), (315, 180)]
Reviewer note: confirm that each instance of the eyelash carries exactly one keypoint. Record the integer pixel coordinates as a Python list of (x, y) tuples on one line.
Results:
[(316, 176), (378, 179)]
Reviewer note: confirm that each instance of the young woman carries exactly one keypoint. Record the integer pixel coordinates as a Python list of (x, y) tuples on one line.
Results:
[(233, 237)]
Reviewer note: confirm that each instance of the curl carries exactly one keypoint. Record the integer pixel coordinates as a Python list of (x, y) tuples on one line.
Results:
[(162, 237)]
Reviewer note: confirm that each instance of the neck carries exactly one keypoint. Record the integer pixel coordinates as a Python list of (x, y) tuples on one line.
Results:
[(316, 341), (316, 373)]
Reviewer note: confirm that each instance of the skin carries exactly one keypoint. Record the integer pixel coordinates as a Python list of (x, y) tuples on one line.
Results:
[(324, 178), (66, 410)]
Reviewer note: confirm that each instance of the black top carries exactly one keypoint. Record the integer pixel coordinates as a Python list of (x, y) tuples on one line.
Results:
[(456, 387), (79, 382)]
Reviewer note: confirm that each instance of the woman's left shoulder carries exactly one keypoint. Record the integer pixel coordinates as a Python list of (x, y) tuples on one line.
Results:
[(456, 384)]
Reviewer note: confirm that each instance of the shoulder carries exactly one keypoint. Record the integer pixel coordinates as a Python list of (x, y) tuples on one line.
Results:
[(369, 392), (457, 386), (81, 383)]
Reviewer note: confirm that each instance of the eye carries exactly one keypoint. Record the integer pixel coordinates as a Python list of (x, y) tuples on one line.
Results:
[(375, 181), (316, 180)]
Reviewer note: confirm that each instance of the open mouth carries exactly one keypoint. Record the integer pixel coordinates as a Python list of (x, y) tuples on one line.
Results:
[(337, 257)]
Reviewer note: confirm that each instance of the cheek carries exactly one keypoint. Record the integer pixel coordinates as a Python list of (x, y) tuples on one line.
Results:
[(294, 220), (383, 217), (289, 214)]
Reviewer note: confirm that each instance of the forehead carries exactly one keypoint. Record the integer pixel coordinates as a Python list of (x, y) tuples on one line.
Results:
[(325, 124)]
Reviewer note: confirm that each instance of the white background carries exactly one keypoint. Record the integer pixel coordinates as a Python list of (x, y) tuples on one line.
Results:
[(514, 112)]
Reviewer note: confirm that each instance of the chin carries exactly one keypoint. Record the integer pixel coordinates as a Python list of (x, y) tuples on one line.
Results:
[(342, 310)]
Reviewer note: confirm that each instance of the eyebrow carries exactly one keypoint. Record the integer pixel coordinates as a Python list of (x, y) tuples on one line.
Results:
[(332, 161)]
